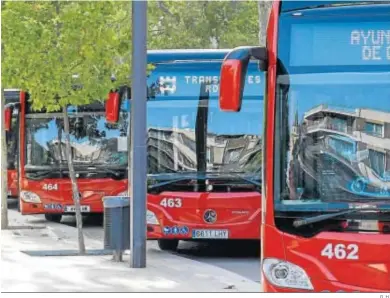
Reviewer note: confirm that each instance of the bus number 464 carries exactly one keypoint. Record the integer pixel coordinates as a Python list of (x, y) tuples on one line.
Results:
[(341, 251), (49, 186)]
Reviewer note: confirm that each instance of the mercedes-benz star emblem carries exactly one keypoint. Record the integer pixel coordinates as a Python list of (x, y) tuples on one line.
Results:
[(210, 216)]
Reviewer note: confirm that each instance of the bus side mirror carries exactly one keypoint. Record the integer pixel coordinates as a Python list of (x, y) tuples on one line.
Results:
[(7, 118), (113, 104), (233, 73)]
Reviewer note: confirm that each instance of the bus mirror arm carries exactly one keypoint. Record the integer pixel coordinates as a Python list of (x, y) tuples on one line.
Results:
[(233, 74)]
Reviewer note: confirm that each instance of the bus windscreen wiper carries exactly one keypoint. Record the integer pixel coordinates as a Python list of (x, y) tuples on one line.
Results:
[(256, 182), (318, 218), (165, 183), (232, 179), (40, 174), (116, 173)]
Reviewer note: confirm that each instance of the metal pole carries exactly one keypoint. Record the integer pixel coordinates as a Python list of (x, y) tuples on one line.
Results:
[(138, 138)]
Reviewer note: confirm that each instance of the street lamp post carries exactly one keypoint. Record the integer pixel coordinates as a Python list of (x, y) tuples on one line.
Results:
[(137, 153)]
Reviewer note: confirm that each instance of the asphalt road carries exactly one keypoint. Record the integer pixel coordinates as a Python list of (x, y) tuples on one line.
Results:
[(240, 257)]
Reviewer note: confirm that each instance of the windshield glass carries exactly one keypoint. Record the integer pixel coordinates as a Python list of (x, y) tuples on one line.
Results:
[(187, 132), (333, 92), (233, 140), (12, 141), (94, 142)]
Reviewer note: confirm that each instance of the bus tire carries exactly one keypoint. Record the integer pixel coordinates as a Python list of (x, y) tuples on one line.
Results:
[(168, 244), (53, 217)]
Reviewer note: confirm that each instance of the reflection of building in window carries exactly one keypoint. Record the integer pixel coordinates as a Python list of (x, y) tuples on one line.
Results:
[(358, 138), (175, 150), (377, 162), (344, 147), (374, 129)]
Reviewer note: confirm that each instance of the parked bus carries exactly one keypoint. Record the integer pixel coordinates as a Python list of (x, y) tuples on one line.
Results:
[(99, 158), (12, 97), (326, 198), (204, 166)]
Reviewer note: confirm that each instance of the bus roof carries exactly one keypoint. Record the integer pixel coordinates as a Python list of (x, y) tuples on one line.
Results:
[(296, 5), (160, 56)]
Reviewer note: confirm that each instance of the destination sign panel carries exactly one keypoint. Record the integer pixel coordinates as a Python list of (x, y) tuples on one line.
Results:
[(170, 81), (331, 44)]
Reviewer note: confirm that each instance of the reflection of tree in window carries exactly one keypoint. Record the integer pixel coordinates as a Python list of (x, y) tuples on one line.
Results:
[(233, 155), (92, 141), (253, 163)]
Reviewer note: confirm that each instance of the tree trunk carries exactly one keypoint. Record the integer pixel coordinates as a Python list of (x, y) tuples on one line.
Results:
[(264, 9), (4, 187), (75, 189)]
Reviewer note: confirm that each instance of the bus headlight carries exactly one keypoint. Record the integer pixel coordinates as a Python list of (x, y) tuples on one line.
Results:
[(29, 197), (286, 275), (151, 218)]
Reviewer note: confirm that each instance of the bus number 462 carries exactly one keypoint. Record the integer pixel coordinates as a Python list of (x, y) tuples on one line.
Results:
[(341, 251)]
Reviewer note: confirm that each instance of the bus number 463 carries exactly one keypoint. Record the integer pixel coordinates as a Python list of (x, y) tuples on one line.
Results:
[(341, 251), (171, 202)]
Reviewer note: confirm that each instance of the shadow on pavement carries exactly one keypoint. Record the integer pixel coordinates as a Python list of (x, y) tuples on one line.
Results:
[(220, 249)]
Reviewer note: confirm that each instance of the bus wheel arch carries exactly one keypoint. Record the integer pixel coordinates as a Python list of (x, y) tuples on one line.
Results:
[(53, 217), (168, 244)]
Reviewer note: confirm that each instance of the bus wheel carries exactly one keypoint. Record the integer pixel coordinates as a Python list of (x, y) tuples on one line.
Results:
[(168, 244), (53, 217)]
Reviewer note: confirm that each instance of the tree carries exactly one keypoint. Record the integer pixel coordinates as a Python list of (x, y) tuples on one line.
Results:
[(54, 46), (202, 24), (4, 174), (264, 9)]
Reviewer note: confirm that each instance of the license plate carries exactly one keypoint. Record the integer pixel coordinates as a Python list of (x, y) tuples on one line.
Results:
[(72, 209), (210, 234)]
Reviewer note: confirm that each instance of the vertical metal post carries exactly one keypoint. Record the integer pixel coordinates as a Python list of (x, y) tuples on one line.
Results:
[(138, 138)]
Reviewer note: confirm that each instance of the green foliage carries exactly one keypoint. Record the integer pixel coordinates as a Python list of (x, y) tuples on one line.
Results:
[(202, 24), (46, 43)]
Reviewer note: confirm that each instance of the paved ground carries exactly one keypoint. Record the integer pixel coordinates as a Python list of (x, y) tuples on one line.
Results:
[(164, 272), (238, 257)]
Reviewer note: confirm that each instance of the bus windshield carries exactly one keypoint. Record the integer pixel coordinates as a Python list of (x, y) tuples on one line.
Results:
[(12, 141), (233, 140), (187, 132), (333, 94), (93, 141)]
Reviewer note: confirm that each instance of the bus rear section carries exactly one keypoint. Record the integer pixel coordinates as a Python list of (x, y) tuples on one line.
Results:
[(204, 166), (326, 219), (99, 154)]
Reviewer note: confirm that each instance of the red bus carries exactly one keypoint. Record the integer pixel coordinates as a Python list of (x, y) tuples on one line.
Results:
[(12, 97), (203, 165), (99, 157), (326, 192)]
